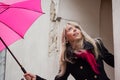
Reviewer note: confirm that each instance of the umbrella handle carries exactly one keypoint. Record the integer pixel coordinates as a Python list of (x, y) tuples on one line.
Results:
[(22, 68)]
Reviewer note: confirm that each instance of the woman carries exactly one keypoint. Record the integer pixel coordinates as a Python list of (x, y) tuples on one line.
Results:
[(82, 56)]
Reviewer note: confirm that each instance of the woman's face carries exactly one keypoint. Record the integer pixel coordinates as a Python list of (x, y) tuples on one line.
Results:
[(72, 33)]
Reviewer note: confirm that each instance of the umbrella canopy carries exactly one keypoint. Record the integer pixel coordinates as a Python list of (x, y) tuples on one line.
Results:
[(16, 18)]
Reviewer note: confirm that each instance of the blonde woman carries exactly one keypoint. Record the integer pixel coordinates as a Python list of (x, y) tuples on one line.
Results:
[(81, 56)]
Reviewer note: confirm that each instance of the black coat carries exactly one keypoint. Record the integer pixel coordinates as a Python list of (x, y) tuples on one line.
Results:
[(81, 70)]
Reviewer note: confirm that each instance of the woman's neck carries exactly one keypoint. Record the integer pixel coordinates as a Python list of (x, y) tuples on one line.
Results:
[(77, 45)]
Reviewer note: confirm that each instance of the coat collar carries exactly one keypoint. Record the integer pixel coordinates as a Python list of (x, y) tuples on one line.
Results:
[(88, 45)]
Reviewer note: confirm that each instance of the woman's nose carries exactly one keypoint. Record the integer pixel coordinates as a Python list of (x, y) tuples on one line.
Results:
[(74, 30)]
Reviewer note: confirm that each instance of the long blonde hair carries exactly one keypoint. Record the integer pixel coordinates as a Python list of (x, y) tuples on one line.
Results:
[(63, 61)]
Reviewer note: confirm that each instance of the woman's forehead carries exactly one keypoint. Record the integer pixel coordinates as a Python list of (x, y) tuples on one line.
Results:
[(69, 25)]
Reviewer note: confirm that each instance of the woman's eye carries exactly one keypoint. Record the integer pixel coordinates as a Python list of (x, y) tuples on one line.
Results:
[(69, 29)]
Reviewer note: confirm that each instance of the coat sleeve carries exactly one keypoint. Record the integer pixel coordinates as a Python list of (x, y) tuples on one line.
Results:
[(64, 76), (39, 78), (106, 55)]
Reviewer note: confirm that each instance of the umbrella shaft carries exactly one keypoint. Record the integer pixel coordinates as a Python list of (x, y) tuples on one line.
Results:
[(13, 56)]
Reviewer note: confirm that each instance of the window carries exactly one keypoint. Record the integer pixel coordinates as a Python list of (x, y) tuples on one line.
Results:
[(2, 64)]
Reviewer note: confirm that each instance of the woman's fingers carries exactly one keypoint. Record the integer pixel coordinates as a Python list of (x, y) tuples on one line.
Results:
[(29, 76)]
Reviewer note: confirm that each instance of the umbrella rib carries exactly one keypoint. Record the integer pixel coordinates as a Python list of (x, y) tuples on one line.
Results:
[(28, 9), (4, 5), (12, 29), (5, 9), (20, 8)]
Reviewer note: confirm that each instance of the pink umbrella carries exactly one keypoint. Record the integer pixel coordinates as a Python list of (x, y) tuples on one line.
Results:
[(16, 19)]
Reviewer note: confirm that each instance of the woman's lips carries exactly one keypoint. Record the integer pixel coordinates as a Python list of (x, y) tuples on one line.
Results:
[(75, 34)]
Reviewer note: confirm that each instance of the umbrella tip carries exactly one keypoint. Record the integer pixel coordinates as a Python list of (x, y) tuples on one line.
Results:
[(43, 12)]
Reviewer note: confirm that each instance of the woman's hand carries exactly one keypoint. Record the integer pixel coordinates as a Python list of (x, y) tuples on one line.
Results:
[(29, 76)]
